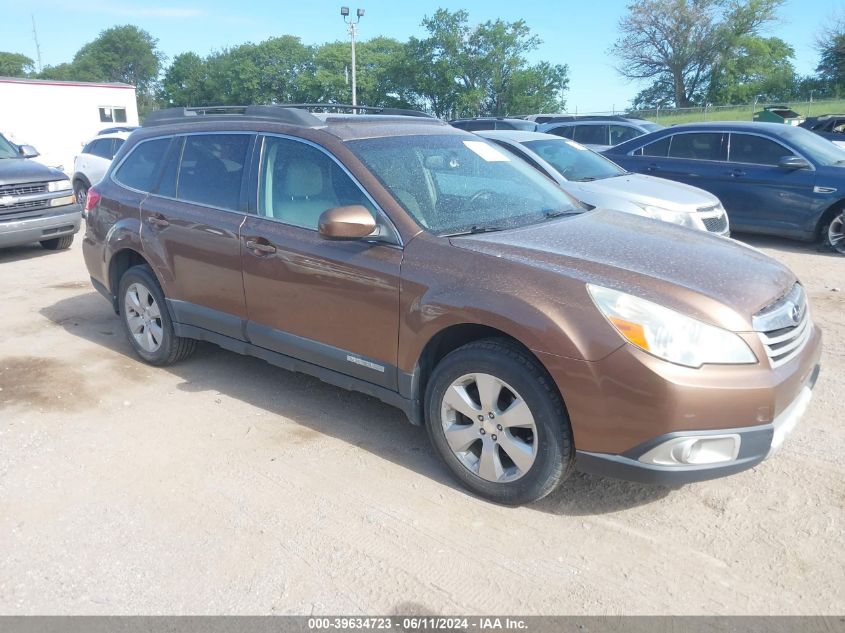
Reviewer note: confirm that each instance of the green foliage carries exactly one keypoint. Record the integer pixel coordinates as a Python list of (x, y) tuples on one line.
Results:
[(15, 65), (831, 46), (680, 45), (759, 68)]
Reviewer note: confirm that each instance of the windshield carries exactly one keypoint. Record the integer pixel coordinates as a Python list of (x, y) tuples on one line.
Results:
[(461, 183), (574, 161), (818, 148), (7, 150)]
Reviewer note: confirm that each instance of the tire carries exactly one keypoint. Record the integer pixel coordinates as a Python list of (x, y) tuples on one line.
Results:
[(58, 243), (833, 233), (479, 450), (146, 320), (80, 193)]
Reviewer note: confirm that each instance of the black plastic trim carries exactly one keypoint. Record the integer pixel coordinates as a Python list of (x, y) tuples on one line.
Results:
[(189, 313)]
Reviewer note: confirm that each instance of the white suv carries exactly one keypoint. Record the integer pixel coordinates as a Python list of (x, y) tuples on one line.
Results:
[(93, 162)]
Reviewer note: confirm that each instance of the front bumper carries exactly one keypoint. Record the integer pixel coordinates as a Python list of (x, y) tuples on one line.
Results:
[(756, 443), (63, 221)]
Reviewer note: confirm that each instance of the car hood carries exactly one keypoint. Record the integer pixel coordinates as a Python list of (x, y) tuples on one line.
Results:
[(714, 279), (648, 190), (19, 170)]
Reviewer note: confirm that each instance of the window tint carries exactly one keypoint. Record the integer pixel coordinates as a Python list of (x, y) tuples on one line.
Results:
[(591, 134), (298, 182), (565, 131), (212, 168), (658, 148), (102, 148), (697, 146), (118, 143), (141, 167), (747, 148), (622, 133)]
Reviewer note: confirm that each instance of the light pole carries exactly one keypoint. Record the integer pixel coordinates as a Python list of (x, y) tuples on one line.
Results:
[(353, 31)]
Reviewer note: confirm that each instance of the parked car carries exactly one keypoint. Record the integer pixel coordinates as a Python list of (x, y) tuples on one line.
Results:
[(600, 132), (36, 201), (492, 123), (118, 128), (94, 160), (423, 265), (599, 182), (829, 126), (772, 178)]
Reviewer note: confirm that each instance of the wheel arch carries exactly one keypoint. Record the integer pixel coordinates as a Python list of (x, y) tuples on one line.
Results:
[(82, 178), (828, 215), (120, 262), (445, 341)]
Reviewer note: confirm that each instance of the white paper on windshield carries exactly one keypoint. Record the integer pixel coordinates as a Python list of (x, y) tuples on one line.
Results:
[(487, 152), (575, 145)]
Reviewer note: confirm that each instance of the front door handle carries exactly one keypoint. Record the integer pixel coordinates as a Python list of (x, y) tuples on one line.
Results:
[(737, 173), (157, 221), (261, 247), (652, 167)]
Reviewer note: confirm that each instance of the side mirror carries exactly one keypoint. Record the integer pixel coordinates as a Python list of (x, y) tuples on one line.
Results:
[(28, 151), (353, 222), (793, 162)]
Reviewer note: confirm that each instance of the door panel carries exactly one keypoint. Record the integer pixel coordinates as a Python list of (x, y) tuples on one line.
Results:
[(331, 303)]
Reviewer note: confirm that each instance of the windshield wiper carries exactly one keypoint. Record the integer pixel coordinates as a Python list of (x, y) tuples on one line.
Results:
[(556, 213), (586, 179), (474, 230)]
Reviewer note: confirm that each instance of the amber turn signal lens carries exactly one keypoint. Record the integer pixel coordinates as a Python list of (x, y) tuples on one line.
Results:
[(634, 332)]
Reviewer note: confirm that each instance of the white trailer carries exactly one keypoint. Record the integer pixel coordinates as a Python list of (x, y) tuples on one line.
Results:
[(58, 117)]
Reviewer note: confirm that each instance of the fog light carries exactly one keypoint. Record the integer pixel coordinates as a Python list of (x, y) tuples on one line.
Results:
[(60, 202), (694, 451)]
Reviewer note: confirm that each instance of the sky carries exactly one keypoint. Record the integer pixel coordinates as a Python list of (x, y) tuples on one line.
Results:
[(578, 34)]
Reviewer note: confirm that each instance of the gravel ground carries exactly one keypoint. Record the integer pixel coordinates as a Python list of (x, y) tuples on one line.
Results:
[(225, 485)]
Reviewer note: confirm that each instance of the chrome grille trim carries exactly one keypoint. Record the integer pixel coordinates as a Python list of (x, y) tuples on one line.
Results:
[(718, 224), (785, 326), (24, 189)]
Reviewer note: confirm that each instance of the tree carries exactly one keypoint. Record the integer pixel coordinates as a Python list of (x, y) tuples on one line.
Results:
[(184, 82), (831, 46), (121, 54), (760, 67), (15, 65), (678, 43), (463, 70)]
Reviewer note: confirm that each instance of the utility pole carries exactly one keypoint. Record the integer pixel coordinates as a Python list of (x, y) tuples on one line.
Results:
[(37, 45), (353, 32)]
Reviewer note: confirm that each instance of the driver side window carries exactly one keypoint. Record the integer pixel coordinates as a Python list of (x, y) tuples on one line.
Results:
[(299, 182)]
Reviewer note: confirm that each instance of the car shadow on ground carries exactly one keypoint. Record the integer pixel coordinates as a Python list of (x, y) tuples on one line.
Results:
[(354, 418), (23, 252)]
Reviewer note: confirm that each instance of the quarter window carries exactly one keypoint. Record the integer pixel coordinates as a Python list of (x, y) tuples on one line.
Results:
[(140, 169), (298, 182), (697, 146), (212, 168), (748, 148)]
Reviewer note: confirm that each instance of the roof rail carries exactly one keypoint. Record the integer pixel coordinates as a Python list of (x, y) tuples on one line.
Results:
[(290, 113)]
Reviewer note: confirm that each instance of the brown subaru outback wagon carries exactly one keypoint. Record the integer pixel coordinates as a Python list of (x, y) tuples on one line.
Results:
[(418, 263)]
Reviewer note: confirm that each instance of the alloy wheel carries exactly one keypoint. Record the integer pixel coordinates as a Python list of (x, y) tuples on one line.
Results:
[(836, 234), (489, 427), (143, 316)]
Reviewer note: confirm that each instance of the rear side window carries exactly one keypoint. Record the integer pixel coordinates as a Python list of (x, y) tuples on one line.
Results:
[(140, 169), (212, 168), (101, 148), (698, 146), (748, 148), (591, 134)]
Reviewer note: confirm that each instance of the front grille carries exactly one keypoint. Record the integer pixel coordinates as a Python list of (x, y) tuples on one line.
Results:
[(785, 326), (24, 206), (719, 224), (24, 189)]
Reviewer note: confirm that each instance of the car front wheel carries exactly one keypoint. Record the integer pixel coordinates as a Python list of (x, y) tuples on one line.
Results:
[(498, 422), (80, 193)]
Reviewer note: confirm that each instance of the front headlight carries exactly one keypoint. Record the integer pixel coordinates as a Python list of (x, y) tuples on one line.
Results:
[(668, 334), (58, 185), (675, 217)]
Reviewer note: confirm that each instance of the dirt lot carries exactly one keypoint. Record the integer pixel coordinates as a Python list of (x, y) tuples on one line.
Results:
[(224, 485)]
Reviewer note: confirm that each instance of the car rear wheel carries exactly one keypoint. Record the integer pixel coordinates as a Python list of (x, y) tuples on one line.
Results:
[(58, 243), (498, 422), (146, 320), (833, 234)]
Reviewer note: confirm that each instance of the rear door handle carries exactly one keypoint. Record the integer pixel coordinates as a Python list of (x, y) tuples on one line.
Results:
[(737, 173), (652, 167), (157, 221), (261, 247)]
